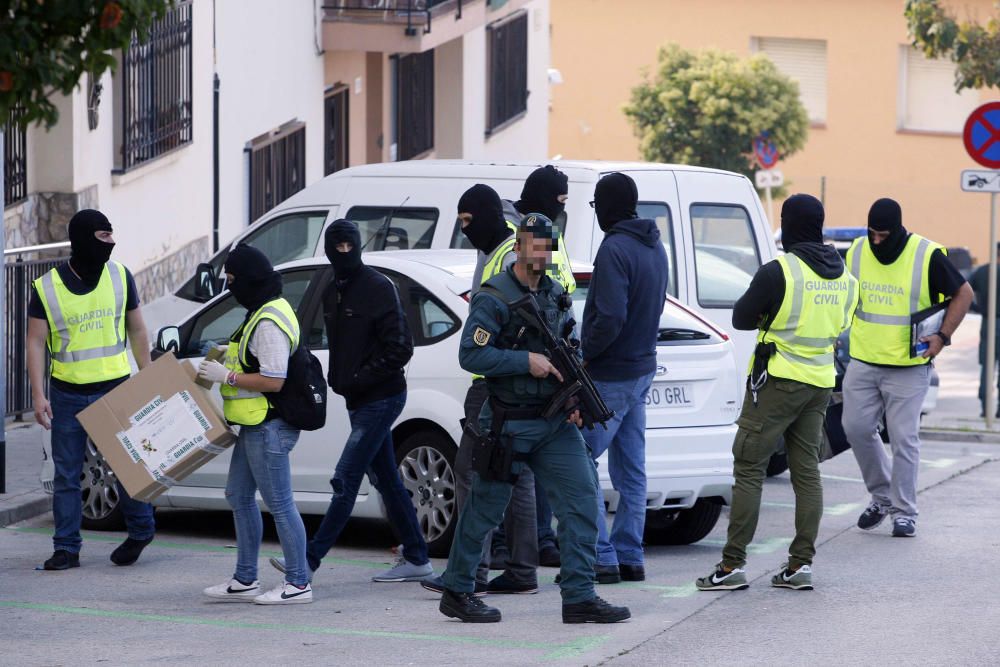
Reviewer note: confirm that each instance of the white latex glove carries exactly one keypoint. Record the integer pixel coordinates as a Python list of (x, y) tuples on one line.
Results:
[(212, 371)]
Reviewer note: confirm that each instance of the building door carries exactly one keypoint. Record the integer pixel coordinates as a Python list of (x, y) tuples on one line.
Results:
[(335, 131)]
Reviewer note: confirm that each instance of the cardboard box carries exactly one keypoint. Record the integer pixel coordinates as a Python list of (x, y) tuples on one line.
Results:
[(157, 428)]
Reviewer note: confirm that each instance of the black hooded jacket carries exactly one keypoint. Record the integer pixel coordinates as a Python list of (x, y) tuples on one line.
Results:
[(369, 339)]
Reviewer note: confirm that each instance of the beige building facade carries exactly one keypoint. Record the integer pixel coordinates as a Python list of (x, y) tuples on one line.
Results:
[(885, 121)]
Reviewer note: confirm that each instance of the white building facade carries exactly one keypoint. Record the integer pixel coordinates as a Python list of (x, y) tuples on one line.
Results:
[(306, 87)]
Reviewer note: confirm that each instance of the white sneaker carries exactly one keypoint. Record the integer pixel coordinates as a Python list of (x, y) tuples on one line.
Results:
[(233, 591), (286, 593)]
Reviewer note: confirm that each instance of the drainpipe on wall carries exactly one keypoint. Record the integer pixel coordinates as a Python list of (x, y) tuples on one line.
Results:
[(215, 141), (3, 334)]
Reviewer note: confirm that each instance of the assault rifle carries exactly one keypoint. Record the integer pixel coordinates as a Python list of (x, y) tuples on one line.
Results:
[(577, 391)]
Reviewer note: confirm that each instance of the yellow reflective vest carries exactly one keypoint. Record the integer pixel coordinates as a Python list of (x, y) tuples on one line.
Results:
[(889, 295), (563, 273), (813, 313), (242, 406), (86, 332)]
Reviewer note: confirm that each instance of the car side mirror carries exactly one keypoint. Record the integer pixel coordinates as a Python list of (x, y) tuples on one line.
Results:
[(168, 340), (206, 283)]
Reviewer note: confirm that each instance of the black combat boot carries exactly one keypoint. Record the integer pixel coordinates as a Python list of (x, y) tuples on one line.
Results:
[(632, 572), (595, 610), (467, 608)]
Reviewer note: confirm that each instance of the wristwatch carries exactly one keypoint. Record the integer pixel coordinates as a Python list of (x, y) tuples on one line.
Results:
[(945, 339)]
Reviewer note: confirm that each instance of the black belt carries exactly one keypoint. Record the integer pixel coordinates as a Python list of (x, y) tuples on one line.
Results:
[(504, 411)]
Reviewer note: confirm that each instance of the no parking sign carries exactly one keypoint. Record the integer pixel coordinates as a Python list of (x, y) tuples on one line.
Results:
[(982, 135)]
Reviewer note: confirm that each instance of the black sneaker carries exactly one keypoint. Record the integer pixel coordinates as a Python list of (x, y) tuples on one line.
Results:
[(503, 584), (603, 574), (607, 574), (632, 572), (904, 526), (499, 558), (129, 551), (873, 515), (549, 557), (467, 608), (594, 611), (62, 560), (436, 584)]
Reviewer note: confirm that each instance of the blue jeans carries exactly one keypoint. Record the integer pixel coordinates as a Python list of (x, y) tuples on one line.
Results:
[(69, 451), (369, 450), (625, 442), (543, 514), (260, 462)]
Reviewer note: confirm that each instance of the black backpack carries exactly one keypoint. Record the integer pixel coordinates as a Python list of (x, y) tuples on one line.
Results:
[(302, 399)]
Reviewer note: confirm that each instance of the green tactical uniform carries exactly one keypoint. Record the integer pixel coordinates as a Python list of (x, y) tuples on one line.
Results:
[(496, 344)]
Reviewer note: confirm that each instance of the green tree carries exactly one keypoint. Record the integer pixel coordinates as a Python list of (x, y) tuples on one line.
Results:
[(46, 46), (706, 108), (974, 48)]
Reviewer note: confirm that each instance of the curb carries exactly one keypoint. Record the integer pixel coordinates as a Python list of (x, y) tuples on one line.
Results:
[(959, 436), (32, 506)]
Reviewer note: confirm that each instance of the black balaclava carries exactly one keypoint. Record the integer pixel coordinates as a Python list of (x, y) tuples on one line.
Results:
[(255, 280), (541, 192), (488, 227), (345, 264), (615, 199), (885, 215), (801, 221), (88, 253)]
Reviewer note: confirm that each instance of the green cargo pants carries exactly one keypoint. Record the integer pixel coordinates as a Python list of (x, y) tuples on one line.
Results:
[(557, 454), (795, 410)]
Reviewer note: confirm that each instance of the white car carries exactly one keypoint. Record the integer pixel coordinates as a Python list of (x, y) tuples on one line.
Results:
[(691, 409)]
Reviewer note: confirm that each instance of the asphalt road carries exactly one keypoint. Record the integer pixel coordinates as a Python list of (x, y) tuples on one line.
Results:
[(878, 600)]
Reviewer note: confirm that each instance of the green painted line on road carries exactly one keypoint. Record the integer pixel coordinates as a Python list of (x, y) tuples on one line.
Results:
[(555, 651), (687, 590), (89, 536), (939, 463), (832, 510), (767, 546)]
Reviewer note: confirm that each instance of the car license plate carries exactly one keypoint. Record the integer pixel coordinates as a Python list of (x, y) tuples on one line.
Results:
[(671, 395)]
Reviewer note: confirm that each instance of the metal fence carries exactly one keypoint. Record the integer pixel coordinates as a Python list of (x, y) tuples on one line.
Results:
[(277, 168), (19, 273), (15, 159), (156, 89)]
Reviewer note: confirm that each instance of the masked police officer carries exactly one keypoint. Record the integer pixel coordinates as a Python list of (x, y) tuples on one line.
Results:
[(900, 274), (84, 310), (801, 302), (520, 380)]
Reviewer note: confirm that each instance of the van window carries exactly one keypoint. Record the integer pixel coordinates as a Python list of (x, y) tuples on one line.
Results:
[(725, 254), (660, 213), (409, 228), (289, 237)]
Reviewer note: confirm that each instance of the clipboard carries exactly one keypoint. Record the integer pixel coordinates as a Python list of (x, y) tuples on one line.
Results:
[(924, 323)]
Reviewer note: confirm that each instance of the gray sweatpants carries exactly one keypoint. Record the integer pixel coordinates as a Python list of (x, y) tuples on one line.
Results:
[(869, 392)]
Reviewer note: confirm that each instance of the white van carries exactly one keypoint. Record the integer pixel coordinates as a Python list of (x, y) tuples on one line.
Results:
[(711, 222)]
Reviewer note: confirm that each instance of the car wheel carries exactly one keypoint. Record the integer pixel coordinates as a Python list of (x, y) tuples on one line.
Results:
[(778, 464), (687, 527), (101, 503), (426, 461)]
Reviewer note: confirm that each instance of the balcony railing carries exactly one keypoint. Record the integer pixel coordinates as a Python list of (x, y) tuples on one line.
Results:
[(413, 12)]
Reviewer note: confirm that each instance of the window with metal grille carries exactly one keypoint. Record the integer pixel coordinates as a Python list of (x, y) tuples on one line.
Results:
[(15, 159), (156, 89), (414, 104), (335, 131), (277, 167), (508, 70)]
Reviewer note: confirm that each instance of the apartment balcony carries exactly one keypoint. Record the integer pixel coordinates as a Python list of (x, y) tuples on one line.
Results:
[(405, 26)]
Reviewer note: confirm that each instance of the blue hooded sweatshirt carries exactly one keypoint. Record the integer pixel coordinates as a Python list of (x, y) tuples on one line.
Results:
[(621, 318)]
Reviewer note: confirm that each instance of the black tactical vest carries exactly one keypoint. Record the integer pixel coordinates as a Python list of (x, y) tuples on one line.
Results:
[(518, 333)]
